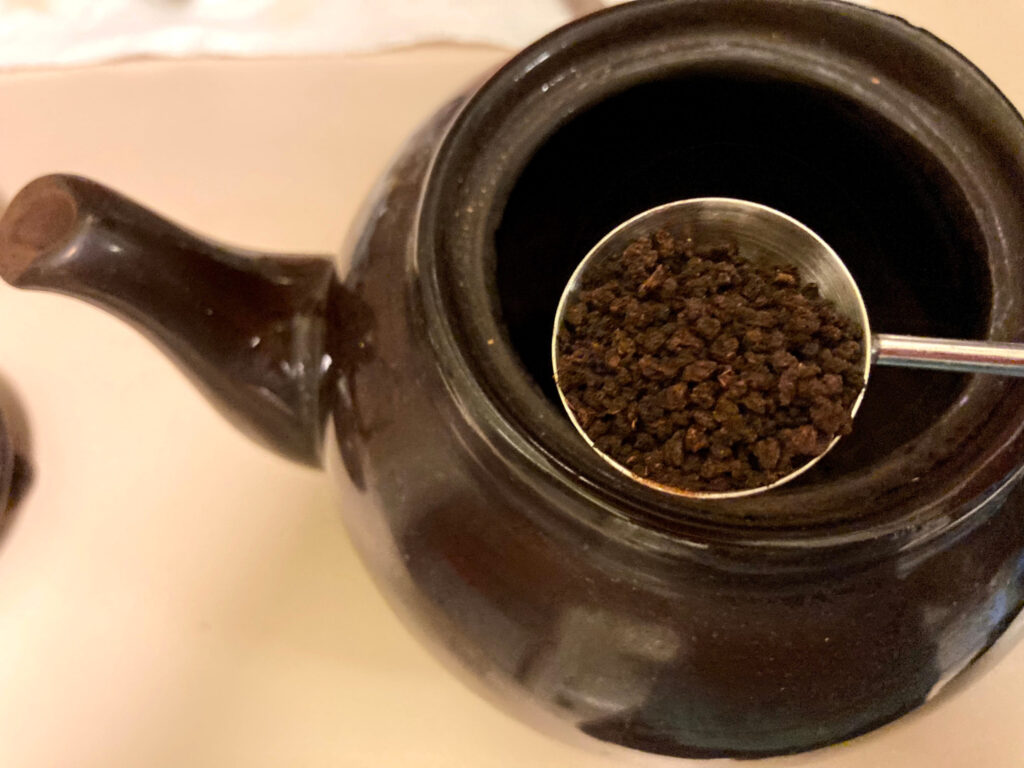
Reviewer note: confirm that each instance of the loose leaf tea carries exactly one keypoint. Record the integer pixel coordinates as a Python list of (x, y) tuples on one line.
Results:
[(695, 368)]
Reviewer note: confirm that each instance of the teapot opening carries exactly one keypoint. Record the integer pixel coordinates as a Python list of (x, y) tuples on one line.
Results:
[(894, 214), (908, 166)]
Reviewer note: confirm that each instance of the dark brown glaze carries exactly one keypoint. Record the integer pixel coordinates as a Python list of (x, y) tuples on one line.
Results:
[(248, 328), (576, 600)]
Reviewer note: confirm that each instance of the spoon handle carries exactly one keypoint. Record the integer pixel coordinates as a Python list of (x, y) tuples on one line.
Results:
[(1002, 358)]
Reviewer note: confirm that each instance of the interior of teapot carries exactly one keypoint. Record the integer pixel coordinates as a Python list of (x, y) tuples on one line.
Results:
[(897, 219), (713, 99)]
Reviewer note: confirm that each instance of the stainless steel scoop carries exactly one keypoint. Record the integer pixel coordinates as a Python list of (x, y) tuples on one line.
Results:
[(771, 238)]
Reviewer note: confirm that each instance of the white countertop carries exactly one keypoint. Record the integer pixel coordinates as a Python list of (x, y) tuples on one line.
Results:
[(172, 595)]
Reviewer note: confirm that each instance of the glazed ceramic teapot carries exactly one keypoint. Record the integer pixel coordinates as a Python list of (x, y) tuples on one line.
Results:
[(570, 596)]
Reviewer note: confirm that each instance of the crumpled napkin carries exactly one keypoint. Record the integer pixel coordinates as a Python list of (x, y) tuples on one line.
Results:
[(71, 32), (51, 33)]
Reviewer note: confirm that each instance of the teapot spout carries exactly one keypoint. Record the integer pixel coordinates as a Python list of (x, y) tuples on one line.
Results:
[(248, 328)]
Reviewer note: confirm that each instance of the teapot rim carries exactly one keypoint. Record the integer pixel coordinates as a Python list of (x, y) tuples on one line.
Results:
[(472, 335)]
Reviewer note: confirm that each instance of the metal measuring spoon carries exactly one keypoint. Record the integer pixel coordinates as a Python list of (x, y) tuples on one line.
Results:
[(769, 237)]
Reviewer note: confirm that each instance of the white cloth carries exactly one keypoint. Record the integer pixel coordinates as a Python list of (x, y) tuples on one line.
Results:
[(63, 32), (71, 32)]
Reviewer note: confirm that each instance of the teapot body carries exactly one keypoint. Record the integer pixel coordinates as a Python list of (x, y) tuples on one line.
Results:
[(564, 611), (586, 607)]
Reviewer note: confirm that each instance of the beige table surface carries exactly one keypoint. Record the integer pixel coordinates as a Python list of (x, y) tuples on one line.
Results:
[(173, 596)]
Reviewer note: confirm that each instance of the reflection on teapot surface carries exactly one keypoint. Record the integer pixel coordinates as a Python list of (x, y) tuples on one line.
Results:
[(561, 591)]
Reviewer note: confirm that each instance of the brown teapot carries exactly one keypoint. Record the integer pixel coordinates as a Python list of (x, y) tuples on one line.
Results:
[(564, 592)]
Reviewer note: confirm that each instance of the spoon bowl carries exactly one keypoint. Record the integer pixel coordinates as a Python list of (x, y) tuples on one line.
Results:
[(764, 236)]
